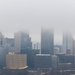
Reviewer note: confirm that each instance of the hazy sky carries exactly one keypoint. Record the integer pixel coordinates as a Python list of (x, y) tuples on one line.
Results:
[(31, 15)]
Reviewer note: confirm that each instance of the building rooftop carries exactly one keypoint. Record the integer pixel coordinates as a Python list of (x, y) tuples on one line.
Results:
[(42, 54)]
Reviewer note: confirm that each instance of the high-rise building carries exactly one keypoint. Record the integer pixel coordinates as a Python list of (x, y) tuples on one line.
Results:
[(17, 42), (67, 47), (73, 47), (16, 61), (1, 57), (30, 57), (47, 41), (22, 42), (1, 39)]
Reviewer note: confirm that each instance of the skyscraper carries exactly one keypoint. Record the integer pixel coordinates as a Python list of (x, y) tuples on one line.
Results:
[(1, 39), (22, 42), (67, 47), (73, 47), (23, 45), (47, 41)]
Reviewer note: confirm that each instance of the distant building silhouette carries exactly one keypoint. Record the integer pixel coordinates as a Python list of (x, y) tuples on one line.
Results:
[(57, 49), (47, 41), (35, 45), (73, 47), (23, 45), (22, 42), (67, 47), (1, 39), (9, 41)]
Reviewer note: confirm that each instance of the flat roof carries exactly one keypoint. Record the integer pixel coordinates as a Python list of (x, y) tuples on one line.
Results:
[(42, 54)]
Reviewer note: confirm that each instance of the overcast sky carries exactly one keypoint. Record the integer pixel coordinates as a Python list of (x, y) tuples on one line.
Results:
[(31, 15)]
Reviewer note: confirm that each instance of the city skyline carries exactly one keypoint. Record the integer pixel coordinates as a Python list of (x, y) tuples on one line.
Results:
[(58, 38), (37, 37), (31, 15)]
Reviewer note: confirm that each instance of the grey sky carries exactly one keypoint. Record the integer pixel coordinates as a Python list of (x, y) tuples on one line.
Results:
[(31, 15)]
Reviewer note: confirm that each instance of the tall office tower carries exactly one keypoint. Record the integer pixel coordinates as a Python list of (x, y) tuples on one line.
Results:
[(22, 42), (47, 41), (73, 47), (1, 50), (1, 39), (67, 47), (1, 57)]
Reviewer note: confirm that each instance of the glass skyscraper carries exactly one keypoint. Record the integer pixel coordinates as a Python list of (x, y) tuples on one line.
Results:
[(22, 42), (67, 47), (47, 41)]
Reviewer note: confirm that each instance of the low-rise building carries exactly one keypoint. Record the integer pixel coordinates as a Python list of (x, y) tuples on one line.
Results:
[(16, 61)]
